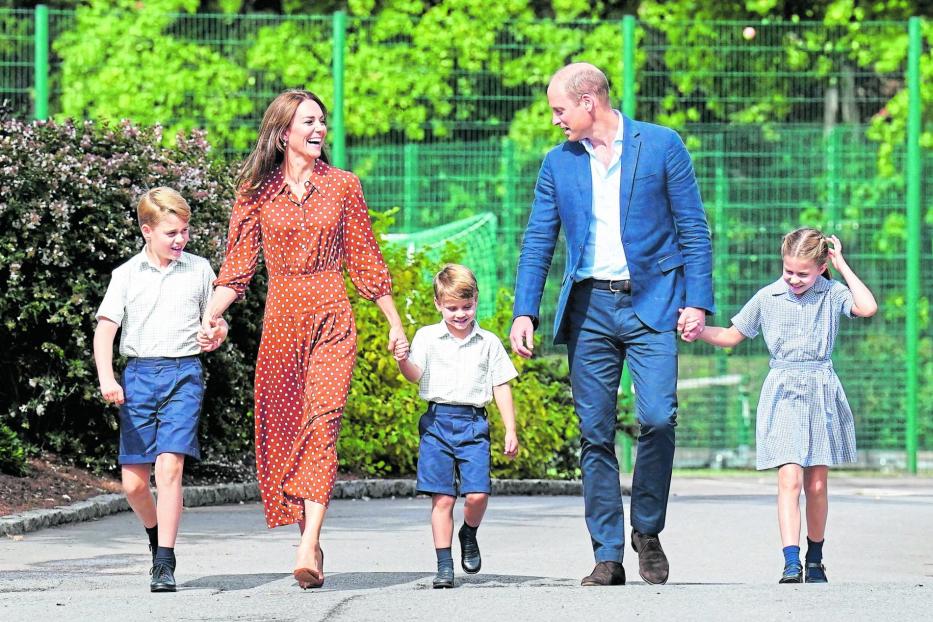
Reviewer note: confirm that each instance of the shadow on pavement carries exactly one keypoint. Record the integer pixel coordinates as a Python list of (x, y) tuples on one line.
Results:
[(232, 582)]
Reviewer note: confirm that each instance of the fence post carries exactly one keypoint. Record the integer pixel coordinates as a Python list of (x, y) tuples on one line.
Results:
[(628, 108), (720, 279), (628, 65), (410, 188), (509, 206), (41, 63), (914, 172), (337, 124), (833, 171)]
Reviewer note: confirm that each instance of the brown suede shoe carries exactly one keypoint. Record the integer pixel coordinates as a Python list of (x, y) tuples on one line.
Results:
[(652, 562), (606, 573)]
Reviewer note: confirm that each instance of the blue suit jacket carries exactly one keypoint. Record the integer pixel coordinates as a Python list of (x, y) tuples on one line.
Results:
[(663, 227)]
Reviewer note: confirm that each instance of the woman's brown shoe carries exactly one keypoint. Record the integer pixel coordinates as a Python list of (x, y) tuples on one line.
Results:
[(308, 578)]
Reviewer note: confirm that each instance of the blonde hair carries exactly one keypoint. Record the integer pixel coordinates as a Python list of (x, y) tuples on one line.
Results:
[(455, 281), (269, 152), (582, 78), (157, 203), (807, 243)]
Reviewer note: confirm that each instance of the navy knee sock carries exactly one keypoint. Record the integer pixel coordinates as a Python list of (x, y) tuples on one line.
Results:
[(165, 555), (814, 551), (444, 558), (791, 555)]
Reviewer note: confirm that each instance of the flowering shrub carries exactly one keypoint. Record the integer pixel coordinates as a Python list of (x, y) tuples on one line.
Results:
[(67, 218)]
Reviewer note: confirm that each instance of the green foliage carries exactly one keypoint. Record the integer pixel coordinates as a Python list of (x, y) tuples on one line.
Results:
[(122, 60), (12, 453), (67, 218)]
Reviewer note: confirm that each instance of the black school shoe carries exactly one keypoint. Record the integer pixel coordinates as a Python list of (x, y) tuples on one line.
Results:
[(793, 573), (469, 551), (163, 578), (816, 573), (444, 578)]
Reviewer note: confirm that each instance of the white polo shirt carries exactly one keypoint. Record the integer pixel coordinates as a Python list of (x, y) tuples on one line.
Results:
[(459, 371), (603, 255), (158, 309)]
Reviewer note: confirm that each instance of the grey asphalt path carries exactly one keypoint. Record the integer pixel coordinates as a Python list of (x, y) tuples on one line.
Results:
[(721, 539)]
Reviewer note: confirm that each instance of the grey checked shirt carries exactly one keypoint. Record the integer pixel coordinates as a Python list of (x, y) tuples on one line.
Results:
[(459, 371), (159, 310)]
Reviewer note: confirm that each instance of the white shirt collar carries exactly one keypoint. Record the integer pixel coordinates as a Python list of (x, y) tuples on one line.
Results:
[(615, 141)]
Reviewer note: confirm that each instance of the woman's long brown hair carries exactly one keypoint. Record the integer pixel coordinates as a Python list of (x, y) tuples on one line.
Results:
[(269, 153)]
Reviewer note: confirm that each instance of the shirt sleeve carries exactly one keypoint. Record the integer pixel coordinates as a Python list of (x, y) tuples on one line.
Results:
[(114, 305), (417, 351), (501, 369), (842, 299), (367, 268), (748, 320), (244, 239)]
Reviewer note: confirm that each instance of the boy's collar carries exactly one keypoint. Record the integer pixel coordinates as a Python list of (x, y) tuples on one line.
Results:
[(144, 262), (474, 330)]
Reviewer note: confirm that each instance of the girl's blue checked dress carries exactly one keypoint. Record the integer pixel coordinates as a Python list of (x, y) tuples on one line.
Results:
[(803, 415)]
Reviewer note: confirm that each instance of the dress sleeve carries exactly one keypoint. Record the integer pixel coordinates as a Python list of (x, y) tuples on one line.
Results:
[(748, 320), (244, 239), (367, 268)]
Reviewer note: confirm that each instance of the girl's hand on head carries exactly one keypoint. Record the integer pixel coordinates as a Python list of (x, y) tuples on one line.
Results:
[(835, 251)]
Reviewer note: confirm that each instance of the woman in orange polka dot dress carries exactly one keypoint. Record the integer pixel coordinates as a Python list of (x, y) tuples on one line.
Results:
[(310, 219)]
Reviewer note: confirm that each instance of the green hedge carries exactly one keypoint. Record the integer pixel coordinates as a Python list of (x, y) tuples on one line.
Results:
[(67, 219)]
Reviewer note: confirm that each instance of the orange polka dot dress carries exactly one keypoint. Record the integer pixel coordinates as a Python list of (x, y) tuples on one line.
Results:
[(308, 344)]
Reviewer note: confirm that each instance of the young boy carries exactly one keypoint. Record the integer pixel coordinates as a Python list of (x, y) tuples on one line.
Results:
[(459, 368), (157, 297)]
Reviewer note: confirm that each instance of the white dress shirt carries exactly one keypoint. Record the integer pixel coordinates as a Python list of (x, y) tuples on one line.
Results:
[(603, 255)]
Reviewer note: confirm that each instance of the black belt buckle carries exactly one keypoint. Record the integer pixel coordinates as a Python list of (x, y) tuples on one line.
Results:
[(624, 286)]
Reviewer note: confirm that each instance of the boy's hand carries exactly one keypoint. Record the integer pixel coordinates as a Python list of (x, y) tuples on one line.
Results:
[(511, 445), (112, 392), (210, 342), (401, 351), (397, 339)]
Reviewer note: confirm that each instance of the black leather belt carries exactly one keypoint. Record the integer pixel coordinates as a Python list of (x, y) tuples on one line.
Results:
[(624, 286)]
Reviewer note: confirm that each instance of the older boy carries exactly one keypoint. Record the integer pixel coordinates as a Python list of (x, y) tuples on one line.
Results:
[(459, 368), (158, 298)]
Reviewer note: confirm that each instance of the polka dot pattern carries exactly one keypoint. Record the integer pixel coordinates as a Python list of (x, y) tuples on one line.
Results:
[(308, 344)]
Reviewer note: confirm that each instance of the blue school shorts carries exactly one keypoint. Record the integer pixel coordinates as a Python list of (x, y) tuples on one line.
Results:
[(454, 450), (161, 409)]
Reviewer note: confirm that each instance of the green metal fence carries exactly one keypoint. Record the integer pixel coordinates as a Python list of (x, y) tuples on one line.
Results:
[(786, 123)]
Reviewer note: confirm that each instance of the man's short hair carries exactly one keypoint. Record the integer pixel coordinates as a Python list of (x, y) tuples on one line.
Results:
[(582, 78), (455, 281)]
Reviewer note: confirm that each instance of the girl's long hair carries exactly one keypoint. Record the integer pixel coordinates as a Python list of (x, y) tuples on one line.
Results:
[(269, 153), (808, 243)]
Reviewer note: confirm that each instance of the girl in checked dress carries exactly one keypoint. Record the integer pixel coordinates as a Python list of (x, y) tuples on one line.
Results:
[(804, 420)]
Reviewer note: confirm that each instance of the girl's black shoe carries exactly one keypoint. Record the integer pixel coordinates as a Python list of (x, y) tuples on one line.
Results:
[(793, 573), (816, 573)]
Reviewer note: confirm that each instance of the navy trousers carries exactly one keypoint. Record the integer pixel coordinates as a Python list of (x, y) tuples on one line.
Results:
[(604, 333)]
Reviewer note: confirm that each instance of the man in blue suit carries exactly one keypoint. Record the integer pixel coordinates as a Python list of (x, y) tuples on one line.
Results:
[(639, 270)]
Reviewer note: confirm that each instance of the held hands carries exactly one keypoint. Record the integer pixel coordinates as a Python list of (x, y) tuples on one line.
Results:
[(213, 334), (511, 444), (691, 323), (112, 392), (522, 338), (398, 343)]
